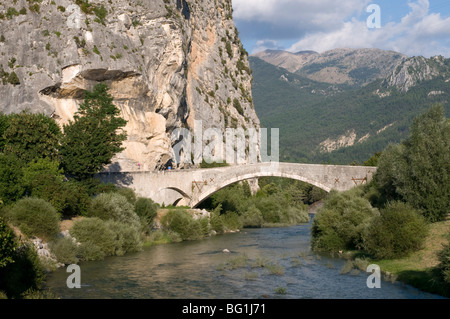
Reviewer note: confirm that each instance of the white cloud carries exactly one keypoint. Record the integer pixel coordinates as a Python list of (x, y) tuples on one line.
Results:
[(303, 15), (263, 45), (418, 33), (323, 25)]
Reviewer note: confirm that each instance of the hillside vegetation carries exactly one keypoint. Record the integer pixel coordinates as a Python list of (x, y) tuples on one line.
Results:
[(340, 124)]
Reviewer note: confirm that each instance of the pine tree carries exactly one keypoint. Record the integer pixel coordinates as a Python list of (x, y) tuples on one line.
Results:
[(94, 136)]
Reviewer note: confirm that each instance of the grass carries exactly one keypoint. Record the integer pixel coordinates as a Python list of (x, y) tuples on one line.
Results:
[(281, 290), (418, 269), (296, 262), (251, 275), (160, 237), (237, 262), (275, 269)]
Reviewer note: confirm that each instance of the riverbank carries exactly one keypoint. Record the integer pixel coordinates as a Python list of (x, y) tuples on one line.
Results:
[(419, 269)]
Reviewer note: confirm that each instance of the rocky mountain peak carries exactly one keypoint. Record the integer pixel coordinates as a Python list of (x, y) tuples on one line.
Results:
[(338, 66)]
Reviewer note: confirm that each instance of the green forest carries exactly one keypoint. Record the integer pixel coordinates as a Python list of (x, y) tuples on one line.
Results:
[(306, 119)]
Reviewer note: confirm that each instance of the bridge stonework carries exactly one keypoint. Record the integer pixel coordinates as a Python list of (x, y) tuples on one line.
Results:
[(191, 187)]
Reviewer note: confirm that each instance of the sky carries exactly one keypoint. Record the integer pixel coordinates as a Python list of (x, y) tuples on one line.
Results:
[(411, 27)]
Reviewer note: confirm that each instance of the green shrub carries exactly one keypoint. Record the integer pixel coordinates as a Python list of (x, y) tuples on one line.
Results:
[(35, 8), (444, 266), (65, 250), (96, 50), (340, 223), (44, 179), (398, 231), (36, 217), (128, 193), (11, 187), (7, 244), (24, 274), (294, 215), (101, 14), (252, 218), (115, 207), (13, 78), (270, 209), (127, 238), (11, 12), (182, 222), (147, 210), (216, 220), (96, 238), (237, 105), (229, 49), (101, 238), (232, 221)]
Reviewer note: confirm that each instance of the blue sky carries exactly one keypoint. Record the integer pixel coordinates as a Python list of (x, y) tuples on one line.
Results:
[(412, 27)]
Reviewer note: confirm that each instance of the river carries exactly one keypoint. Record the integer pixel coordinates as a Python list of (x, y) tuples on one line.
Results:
[(200, 269)]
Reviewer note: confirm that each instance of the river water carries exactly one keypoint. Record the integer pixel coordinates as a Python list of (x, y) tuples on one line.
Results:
[(200, 269)]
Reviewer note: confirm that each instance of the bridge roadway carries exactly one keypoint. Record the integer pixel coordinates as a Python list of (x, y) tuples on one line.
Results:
[(192, 186)]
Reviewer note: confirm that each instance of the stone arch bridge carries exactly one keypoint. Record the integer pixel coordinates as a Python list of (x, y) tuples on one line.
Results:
[(192, 186)]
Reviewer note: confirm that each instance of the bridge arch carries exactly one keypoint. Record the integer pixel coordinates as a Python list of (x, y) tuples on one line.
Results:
[(211, 190), (172, 196)]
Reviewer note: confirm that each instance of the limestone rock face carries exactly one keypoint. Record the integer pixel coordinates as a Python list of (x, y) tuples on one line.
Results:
[(169, 64), (417, 69)]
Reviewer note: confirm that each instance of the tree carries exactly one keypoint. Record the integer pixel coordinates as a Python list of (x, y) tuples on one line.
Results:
[(45, 179), (31, 136), (4, 123), (94, 136), (11, 188), (425, 179), (418, 170), (373, 161)]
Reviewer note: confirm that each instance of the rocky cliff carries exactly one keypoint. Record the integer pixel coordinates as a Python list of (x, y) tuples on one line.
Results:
[(418, 69), (168, 63)]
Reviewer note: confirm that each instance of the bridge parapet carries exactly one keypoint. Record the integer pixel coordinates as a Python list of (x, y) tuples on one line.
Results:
[(191, 187)]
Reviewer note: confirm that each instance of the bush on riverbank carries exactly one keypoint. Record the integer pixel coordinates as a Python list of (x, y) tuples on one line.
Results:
[(101, 238), (341, 222), (182, 223), (396, 232), (65, 250), (147, 210), (444, 266), (114, 206), (24, 274), (35, 217)]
